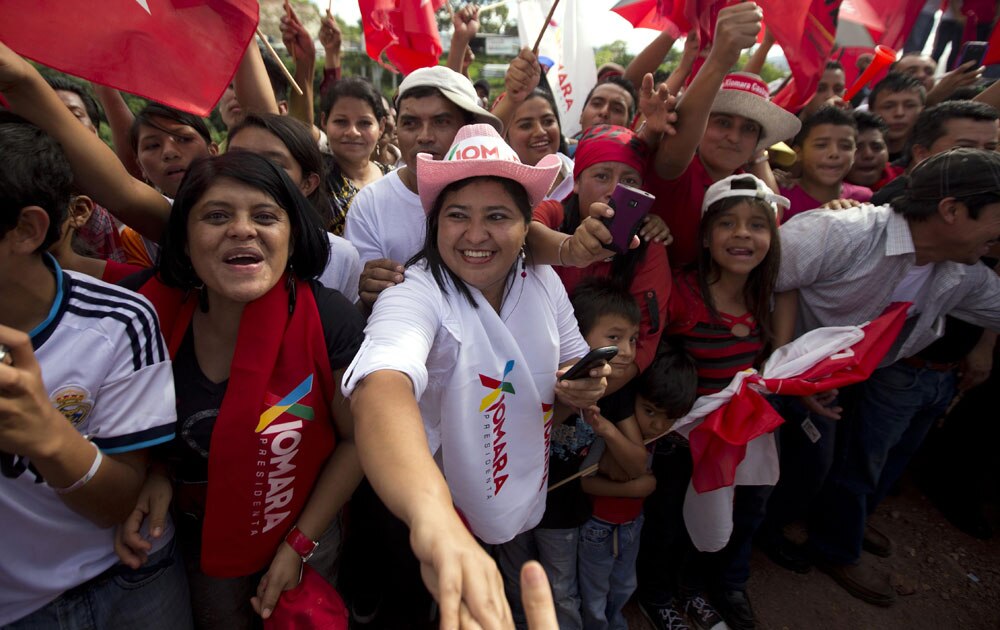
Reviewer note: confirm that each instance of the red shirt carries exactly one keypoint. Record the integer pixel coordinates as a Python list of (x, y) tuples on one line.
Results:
[(650, 287), (678, 203), (890, 173), (617, 510), (114, 272)]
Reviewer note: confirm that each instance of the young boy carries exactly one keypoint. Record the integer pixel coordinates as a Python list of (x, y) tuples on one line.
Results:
[(898, 99), (609, 541), (825, 147), (871, 158), (608, 316)]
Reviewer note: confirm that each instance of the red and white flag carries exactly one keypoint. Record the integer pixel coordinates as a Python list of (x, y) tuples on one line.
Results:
[(731, 431), (405, 31), (182, 53)]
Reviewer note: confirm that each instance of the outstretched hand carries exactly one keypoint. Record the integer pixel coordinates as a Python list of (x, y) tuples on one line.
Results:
[(658, 106)]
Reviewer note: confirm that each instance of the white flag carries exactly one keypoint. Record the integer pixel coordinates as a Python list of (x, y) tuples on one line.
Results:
[(573, 73)]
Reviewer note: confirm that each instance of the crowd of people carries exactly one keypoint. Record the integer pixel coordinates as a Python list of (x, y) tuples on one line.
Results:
[(354, 343)]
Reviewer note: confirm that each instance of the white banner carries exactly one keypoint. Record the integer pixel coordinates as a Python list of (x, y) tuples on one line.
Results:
[(573, 72)]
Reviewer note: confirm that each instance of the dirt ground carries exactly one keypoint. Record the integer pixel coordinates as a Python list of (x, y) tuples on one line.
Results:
[(945, 578)]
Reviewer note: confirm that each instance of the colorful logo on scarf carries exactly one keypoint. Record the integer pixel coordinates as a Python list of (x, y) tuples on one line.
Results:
[(289, 404), (503, 385)]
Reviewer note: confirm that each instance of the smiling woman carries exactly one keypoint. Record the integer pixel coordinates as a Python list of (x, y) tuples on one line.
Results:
[(460, 364)]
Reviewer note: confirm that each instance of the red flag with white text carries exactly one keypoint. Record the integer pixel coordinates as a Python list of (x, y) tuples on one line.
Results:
[(405, 31), (182, 53)]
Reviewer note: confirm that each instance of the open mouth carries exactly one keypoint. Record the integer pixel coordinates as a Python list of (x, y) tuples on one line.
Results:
[(739, 252), (243, 258), (477, 256)]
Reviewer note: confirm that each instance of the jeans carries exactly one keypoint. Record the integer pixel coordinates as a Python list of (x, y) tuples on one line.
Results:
[(556, 550), (607, 556), (898, 405), (805, 465), (153, 597)]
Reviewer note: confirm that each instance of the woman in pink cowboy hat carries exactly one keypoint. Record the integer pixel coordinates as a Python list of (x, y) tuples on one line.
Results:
[(455, 384)]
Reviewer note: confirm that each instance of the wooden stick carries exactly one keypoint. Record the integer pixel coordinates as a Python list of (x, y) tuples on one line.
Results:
[(490, 7), (329, 7), (590, 470), (288, 75), (548, 19)]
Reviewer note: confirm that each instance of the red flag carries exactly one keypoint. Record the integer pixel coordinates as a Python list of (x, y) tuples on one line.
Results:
[(182, 53), (719, 443), (805, 31), (405, 30), (993, 47)]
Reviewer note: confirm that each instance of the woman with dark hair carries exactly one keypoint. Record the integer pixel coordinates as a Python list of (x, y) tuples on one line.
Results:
[(608, 155), (454, 386), (353, 117), (536, 131), (288, 143), (264, 460)]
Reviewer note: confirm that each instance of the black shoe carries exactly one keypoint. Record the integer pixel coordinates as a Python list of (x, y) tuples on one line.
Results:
[(668, 617), (877, 543), (787, 555), (734, 606), (702, 615)]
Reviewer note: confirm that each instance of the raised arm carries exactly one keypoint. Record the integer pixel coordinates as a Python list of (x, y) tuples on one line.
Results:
[(756, 62), (735, 30), (97, 171), (523, 75), (253, 88), (465, 25), (650, 58), (300, 44), (680, 74), (120, 121)]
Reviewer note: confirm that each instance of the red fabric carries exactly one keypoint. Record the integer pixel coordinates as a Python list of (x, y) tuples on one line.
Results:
[(617, 510), (257, 431), (609, 143), (890, 173), (151, 54), (651, 283), (405, 30), (904, 15), (805, 31), (115, 272), (678, 203), (643, 14), (314, 603), (718, 444)]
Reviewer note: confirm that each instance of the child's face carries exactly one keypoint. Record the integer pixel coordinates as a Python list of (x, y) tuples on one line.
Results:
[(827, 154), (653, 420), (740, 238), (615, 330), (831, 84), (869, 158), (900, 111)]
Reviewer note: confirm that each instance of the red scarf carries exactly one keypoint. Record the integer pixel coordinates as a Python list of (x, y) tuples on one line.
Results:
[(272, 437)]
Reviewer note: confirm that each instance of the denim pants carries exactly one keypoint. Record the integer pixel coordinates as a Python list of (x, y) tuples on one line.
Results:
[(556, 550), (152, 597), (607, 555), (897, 407)]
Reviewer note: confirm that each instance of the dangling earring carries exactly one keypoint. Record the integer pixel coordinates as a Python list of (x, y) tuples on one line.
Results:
[(290, 287), (524, 263)]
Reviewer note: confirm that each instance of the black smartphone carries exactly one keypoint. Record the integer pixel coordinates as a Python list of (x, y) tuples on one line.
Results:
[(594, 358), (631, 206), (972, 51)]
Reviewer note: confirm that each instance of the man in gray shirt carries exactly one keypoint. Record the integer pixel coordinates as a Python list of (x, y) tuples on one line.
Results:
[(847, 267)]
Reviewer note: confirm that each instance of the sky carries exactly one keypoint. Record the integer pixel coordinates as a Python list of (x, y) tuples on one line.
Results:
[(605, 27)]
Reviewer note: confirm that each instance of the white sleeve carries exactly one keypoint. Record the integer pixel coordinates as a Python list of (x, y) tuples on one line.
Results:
[(400, 332), (361, 229), (572, 345), (343, 269)]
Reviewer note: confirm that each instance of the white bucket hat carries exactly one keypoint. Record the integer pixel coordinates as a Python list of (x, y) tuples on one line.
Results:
[(454, 87)]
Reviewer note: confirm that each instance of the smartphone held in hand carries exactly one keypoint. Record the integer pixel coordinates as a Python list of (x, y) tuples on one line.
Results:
[(631, 206)]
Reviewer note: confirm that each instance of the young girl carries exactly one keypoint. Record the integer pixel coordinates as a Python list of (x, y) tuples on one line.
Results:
[(535, 131), (353, 117), (720, 312), (605, 156)]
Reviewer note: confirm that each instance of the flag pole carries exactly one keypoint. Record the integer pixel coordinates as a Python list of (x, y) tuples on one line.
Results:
[(490, 7), (590, 470), (329, 7), (270, 49), (548, 19)]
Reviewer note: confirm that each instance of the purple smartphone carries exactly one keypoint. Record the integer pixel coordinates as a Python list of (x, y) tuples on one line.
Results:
[(631, 206), (972, 51)]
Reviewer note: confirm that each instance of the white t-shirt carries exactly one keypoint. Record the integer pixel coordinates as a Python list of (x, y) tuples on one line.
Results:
[(454, 354), (386, 221), (343, 268), (106, 368)]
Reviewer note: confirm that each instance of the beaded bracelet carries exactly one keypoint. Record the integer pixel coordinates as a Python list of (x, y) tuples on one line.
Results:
[(82, 481)]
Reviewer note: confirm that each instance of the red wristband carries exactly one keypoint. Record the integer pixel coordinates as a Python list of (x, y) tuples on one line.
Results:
[(301, 544)]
